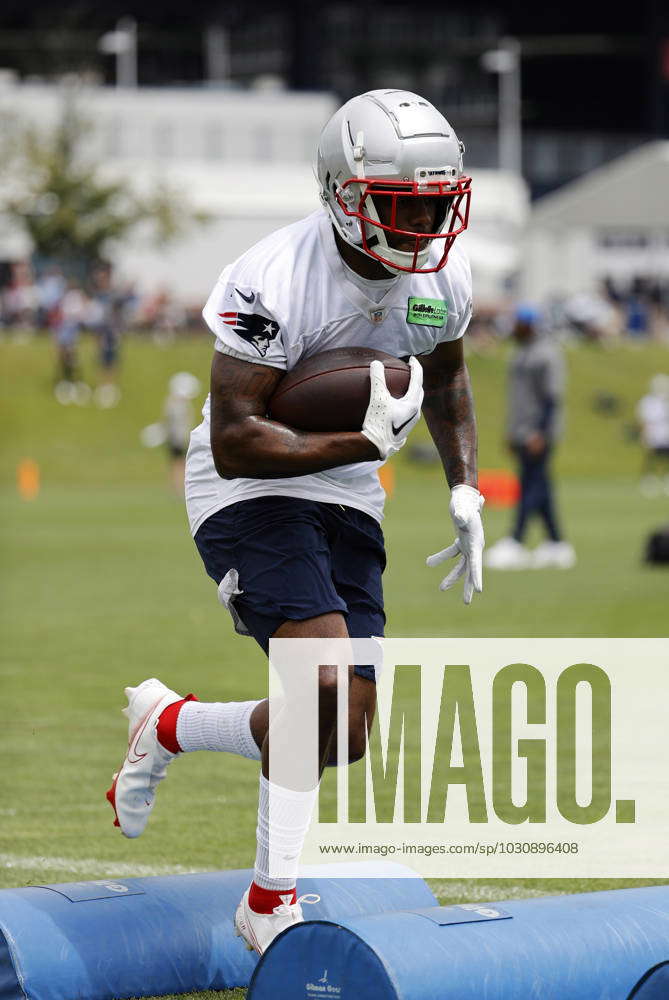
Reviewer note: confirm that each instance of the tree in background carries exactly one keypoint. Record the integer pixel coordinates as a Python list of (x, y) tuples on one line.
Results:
[(69, 210)]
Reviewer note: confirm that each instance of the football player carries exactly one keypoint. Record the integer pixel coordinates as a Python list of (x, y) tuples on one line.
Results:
[(535, 401), (288, 522)]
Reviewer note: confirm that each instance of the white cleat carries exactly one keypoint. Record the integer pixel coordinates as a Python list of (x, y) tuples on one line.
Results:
[(258, 930), (132, 794), (560, 555), (507, 553)]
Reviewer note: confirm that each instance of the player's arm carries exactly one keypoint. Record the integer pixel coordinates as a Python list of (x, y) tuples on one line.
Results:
[(448, 408), (245, 443)]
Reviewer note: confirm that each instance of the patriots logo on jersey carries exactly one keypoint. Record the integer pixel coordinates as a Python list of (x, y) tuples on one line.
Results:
[(259, 331)]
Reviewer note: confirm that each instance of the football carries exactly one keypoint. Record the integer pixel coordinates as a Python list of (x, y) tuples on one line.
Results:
[(330, 391)]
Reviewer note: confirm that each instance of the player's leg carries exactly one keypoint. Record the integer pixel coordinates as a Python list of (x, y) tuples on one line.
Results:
[(223, 727), (351, 576), (361, 709), (286, 801), (159, 728), (526, 500), (242, 727), (189, 725), (280, 553), (162, 725), (510, 552), (555, 551), (546, 504), (358, 563), (279, 549)]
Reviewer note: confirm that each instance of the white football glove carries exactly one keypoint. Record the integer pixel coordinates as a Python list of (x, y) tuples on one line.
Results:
[(465, 508), (388, 421)]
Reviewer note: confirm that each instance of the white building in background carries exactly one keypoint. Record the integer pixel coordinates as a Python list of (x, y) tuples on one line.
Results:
[(614, 222), (244, 158), (500, 208)]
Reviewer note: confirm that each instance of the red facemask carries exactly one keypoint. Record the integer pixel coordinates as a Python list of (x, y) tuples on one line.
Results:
[(450, 219)]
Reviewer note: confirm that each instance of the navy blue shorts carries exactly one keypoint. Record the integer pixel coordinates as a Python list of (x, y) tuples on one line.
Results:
[(297, 559)]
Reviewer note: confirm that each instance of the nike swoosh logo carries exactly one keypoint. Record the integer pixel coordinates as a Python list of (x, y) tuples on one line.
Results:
[(247, 298), (396, 430), (133, 755)]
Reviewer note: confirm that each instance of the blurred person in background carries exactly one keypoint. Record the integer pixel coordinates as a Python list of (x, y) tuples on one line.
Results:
[(638, 310), (653, 417), (106, 316), (592, 316), (21, 298), (73, 309), (174, 429), (179, 418), (50, 290), (162, 314), (535, 399)]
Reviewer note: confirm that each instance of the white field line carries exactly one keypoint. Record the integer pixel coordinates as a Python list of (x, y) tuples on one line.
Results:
[(88, 866), (481, 893), (472, 891)]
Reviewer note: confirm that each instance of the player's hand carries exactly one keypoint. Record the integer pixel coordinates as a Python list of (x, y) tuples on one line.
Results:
[(465, 508), (388, 421)]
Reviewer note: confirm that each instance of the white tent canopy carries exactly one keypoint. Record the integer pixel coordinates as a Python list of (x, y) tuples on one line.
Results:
[(613, 222), (632, 191)]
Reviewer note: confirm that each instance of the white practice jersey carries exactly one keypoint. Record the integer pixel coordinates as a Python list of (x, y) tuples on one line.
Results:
[(291, 296)]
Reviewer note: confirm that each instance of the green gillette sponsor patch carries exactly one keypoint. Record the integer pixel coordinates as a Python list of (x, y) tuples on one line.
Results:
[(427, 312)]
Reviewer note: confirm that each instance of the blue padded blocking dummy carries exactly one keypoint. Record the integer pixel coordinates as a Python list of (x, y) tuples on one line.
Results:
[(146, 936), (654, 985), (590, 946)]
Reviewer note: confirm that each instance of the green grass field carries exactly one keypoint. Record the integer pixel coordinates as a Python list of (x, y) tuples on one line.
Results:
[(102, 587)]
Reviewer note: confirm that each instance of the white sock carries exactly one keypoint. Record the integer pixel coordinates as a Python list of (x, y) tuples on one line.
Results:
[(291, 815), (217, 726)]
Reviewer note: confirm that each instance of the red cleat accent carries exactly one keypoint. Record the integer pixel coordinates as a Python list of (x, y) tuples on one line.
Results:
[(265, 900), (111, 799)]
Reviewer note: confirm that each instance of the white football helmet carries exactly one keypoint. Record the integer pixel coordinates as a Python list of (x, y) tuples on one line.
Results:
[(394, 144)]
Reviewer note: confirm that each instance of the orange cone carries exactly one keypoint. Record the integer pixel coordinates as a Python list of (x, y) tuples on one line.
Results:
[(387, 478), (499, 487), (27, 479)]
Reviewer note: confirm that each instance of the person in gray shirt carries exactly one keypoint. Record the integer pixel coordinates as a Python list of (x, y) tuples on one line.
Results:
[(536, 381)]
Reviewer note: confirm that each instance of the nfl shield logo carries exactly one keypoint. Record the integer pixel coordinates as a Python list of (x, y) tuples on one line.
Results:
[(377, 315)]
